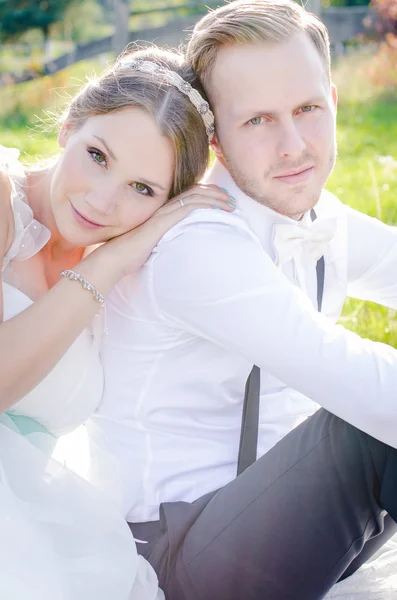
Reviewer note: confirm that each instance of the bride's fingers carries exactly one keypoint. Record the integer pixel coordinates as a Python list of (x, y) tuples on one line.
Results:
[(141, 240), (180, 207), (206, 190), (145, 237), (163, 221), (222, 201)]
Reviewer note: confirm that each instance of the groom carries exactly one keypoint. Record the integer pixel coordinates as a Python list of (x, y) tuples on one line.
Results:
[(263, 286)]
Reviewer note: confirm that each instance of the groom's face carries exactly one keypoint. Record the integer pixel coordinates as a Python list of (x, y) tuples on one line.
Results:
[(275, 121)]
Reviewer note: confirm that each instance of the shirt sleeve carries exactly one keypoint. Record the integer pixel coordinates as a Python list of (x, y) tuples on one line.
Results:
[(217, 283), (371, 259)]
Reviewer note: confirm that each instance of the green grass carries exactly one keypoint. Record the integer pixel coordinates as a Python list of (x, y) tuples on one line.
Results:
[(32, 146), (27, 110), (365, 176)]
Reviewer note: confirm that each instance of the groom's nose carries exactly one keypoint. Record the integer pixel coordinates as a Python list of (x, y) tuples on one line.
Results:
[(290, 143)]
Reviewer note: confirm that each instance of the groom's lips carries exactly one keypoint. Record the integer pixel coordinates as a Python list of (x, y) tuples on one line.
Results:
[(297, 176)]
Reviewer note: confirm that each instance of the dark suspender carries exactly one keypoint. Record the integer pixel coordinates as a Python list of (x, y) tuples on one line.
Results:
[(249, 422), (250, 419), (320, 270)]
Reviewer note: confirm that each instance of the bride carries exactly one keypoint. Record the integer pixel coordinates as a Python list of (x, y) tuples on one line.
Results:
[(130, 140)]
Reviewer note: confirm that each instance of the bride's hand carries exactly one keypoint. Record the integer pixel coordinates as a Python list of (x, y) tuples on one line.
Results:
[(134, 248)]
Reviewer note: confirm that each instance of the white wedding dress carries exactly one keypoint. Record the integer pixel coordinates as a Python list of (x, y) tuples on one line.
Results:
[(61, 538)]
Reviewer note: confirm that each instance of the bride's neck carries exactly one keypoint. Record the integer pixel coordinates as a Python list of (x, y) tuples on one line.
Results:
[(38, 191)]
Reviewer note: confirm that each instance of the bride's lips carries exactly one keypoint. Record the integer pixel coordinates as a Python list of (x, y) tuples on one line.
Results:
[(296, 176), (83, 220)]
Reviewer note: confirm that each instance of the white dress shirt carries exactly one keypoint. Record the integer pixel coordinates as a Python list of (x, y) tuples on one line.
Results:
[(216, 297)]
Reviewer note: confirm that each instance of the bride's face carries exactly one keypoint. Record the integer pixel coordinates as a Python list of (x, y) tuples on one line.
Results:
[(114, 173)]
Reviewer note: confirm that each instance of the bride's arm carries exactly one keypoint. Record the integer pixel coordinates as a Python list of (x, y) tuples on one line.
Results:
[(32, 342)]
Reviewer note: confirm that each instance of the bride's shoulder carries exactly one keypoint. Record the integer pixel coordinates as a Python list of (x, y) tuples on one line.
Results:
[(26, 236), (5, 187), (10, 173), (6, 214), (8, 166)]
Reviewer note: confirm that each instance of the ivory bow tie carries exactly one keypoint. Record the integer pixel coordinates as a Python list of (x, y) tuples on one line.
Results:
[(312, 238)]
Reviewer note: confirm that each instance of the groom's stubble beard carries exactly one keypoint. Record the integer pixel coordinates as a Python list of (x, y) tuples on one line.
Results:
[(293, 201)]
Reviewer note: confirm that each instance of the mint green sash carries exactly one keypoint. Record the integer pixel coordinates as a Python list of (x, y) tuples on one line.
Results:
[(26, 425)]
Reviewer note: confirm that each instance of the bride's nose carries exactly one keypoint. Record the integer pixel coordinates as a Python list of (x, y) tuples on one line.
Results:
[(102, 198)]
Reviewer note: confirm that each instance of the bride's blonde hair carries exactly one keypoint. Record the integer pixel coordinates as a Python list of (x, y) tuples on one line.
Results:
[(178, 119)]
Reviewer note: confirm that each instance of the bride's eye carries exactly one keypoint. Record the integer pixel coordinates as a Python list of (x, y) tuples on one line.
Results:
[(256, 121), (97, 156), (143, 189)]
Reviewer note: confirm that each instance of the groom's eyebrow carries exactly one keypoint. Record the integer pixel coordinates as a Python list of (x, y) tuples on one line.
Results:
[(251, 114), (106, 146)]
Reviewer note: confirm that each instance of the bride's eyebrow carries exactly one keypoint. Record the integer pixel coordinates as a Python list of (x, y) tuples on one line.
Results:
[(152, 184), (111, 154)]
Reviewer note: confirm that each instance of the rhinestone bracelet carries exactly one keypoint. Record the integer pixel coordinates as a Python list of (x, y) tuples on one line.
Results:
[(73, 276)]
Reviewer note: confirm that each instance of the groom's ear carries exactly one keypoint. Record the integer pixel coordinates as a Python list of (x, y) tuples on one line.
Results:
[(215, 147), (334, 96)]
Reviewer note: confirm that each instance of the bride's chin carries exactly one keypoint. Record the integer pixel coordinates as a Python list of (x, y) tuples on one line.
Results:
[(77, 237)]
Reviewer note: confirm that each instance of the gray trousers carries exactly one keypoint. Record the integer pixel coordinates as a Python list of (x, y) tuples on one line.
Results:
[(289, 527)]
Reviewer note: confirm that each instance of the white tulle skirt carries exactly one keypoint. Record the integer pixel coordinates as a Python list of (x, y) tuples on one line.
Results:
[(60, 537), (375, 580)]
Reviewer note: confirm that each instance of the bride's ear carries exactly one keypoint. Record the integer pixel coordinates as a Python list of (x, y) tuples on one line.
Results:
[(64, 134)]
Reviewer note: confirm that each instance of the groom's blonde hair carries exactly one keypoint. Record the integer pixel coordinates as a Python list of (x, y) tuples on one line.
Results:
[(252, 22)]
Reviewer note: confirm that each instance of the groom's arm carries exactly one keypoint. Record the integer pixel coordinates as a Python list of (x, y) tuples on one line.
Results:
[(371, 259), (216, 282)]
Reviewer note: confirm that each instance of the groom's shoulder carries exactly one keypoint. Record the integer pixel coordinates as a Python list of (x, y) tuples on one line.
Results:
[(330, 202), (329, 205), (204, 224)]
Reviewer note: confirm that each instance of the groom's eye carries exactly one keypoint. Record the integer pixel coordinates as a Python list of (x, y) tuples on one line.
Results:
[(308, 108), (256, 121)]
